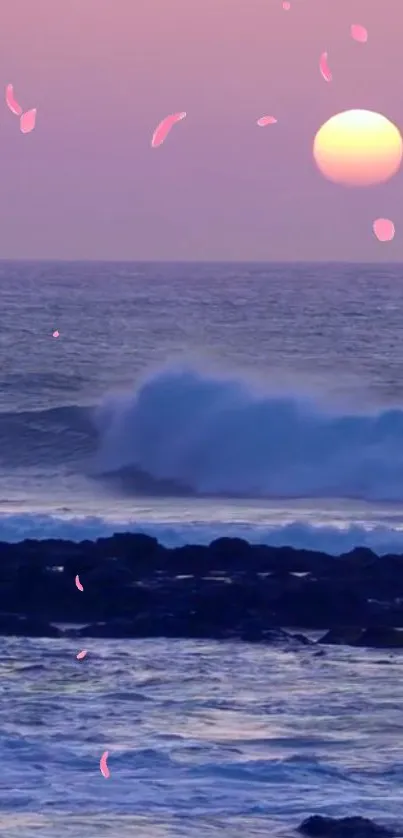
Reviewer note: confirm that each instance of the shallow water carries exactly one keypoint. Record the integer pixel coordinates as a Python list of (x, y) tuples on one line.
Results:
[(204, 738)]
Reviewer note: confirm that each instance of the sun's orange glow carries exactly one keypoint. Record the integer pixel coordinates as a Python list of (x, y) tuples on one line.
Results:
[(358, 148)]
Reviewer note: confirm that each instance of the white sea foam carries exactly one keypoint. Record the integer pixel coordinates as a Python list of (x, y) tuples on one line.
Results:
[(330, 539), (222, 436)]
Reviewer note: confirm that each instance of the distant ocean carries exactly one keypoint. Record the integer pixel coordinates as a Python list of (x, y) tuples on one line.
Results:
[(197, 400)]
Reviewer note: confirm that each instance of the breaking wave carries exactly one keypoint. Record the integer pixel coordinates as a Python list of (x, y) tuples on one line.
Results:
[(215, 436), (183, 432)]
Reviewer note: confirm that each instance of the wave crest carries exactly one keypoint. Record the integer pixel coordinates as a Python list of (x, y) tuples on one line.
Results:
[(219, 436)]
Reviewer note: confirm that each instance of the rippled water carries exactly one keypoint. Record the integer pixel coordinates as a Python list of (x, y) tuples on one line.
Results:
[(205, 739)]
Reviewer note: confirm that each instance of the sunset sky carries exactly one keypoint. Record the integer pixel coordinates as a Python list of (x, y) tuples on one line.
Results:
[(86, 184)]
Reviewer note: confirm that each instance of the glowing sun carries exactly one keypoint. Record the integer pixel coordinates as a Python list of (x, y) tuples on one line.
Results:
[(358, 148)]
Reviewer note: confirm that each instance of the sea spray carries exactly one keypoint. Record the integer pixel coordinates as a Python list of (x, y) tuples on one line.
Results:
[(222, 437)]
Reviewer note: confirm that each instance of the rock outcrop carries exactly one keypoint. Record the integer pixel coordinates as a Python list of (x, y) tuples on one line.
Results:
[(229, 589), (318, 826)]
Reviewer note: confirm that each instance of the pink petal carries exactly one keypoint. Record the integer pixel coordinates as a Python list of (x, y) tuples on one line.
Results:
[(266, 120), (162, 130), (11, 102), (27, 121), (324, 67), (103, 764), (81, 655), (286, 6), (56, 334), (78, 583), (384, 229), (359, 33)]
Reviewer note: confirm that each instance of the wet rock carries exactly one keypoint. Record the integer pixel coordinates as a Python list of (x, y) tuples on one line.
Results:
[(379, 637), (359, 558), (13, 625), (152, 625), (227, 589), (306, 641), (126, 544), (257, 634), (196, 559), (343, 636), (228, 551), (318, 603), (374, 637), (318, 826), (111, 629)]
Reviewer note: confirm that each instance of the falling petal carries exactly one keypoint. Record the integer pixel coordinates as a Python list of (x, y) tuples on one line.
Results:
[(81, 655), (266, 120), (56, 334), (27, 121), (78, 583), (359, 33), (11, 102), (324, 67), (162, 130), (384, 229), (286, 6), (103, 764)]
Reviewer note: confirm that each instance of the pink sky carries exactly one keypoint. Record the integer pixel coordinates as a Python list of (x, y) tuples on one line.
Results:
[(102, 73)]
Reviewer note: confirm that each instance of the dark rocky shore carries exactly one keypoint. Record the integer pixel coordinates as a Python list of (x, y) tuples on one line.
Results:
[(135, 587), (318, 826)]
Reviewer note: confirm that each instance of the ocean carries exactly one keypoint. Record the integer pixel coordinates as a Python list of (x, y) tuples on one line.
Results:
[(190, 401), (195, 400), (204, 739)]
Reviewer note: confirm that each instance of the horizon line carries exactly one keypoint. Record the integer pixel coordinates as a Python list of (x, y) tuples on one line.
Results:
[(133, 261)]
